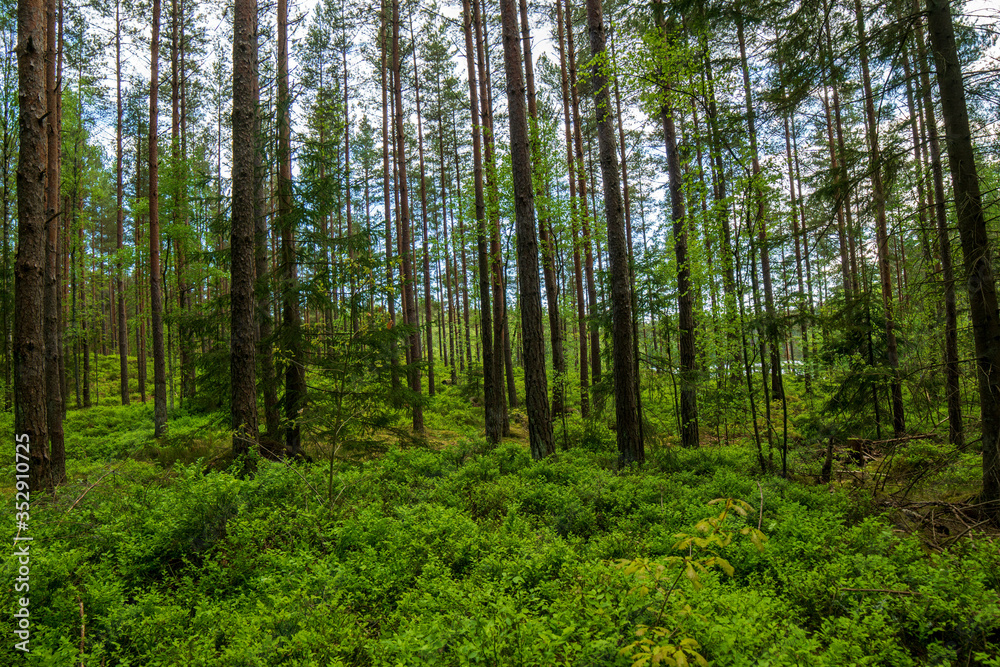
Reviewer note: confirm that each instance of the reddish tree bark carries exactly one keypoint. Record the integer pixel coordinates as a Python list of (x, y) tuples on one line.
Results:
[(30, 425), (535, 380), (155, 274), (630, 445)]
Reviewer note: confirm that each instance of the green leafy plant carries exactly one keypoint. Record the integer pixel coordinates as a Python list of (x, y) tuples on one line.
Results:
[(658, 644)]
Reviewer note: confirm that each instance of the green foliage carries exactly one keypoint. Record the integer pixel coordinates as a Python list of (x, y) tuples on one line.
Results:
[(476, 555), (657, 644)]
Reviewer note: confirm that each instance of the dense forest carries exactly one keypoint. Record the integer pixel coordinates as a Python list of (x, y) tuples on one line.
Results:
[(500, 332)]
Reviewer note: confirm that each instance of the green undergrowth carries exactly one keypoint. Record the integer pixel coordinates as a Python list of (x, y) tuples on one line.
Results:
[(466, 555)]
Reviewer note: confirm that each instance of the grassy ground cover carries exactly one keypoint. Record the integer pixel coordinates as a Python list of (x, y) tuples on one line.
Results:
[(454, 553)]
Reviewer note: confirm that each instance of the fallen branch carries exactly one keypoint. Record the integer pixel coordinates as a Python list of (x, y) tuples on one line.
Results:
[(896, 441), (75, 502), (879, 590), (968, 528)]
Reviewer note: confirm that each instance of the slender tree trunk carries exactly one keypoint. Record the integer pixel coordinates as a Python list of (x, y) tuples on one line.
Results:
[(30, 423), (8, 352), (723, 222), (491, 383), (803, 236), (630, 445), (979, 275), (581, 173), (81, 273), (120, 214), (685, 295), (925, 200), (770, 330), (575, 207), (628, 238), (423, 213), (295, 378), (461, 246), (265, 322), (501, 343), (140, 315), (155, 274), (53, 387), (533, 338), (882, 235), (409, 298), (545, 231), (953, 389), (449, 259), (177, 197), (840, 193), (387, 191), (243, 345), (347, 173)]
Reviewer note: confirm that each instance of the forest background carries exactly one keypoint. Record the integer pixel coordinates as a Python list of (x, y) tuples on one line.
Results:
[(717, 247)]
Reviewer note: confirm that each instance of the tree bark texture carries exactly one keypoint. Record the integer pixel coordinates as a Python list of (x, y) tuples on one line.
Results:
[(532, 332), (242, 333), (630, 445), (979, 276)]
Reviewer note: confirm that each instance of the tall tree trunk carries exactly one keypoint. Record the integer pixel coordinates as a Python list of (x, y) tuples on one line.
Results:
[(155, 274), (449, 260), (575, 207), (409, 298), (177, 198), (491, 383), (685, 295), (8, 135), (295, 372), (975, 242), (242, 360), (53, 387), (797, 236), (30, 424), (723, 222), (532, 330), (770, 329), (627, 204), (140, 315), (501, 343), (882, 235), (387, 190), (581, 173), (120, 214), (545, 232), (347, 171), (951, 369), (265, 322), (799, 227), (81, 274), (839, 171), (423, 213), (461, 245), (630, 445)]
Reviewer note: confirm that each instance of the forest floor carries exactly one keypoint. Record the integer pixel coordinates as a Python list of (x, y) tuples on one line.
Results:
[(451, 552)]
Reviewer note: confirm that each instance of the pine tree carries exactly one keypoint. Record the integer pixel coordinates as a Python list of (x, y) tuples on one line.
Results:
[(535, 380), (30, 426), (630, 445), (243, 345), (155, 273), (979, 275)]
